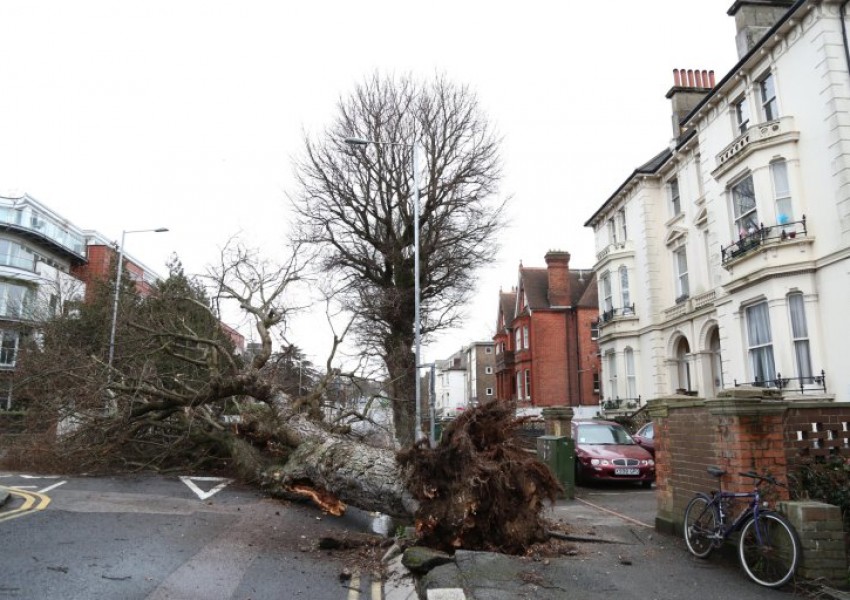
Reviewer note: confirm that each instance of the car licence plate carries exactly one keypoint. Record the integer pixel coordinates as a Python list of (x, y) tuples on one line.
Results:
[(626, 471)]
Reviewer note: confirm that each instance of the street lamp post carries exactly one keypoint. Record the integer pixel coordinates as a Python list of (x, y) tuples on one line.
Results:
[(417, 327), (118, 288)]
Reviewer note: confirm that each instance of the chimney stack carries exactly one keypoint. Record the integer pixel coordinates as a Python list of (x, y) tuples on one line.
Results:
[(558, 270), (753, 18), (689, 87)]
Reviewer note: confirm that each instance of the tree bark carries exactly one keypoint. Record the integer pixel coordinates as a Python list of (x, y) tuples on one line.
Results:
[(367, 477)]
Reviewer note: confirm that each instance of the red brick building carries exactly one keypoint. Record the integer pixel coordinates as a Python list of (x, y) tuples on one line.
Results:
[(546, 351), (102, 254), (101, 259)]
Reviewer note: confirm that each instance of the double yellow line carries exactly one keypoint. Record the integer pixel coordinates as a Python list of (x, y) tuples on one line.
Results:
[(32, 501)]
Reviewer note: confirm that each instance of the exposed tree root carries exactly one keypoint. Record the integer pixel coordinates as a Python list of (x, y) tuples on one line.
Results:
[(478, 488)]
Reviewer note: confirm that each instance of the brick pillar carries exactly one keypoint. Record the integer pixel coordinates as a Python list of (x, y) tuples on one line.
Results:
[(750, 435), (740, 430), (558, 420), (821, 533)]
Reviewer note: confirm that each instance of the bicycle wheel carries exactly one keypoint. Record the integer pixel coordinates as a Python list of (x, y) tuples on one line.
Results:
[(702, 523), (769, 549)]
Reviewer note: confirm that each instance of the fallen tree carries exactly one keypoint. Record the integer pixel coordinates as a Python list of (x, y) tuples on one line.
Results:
[(176, 398)]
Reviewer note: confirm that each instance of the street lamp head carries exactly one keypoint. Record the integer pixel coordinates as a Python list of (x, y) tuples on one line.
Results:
[(355, 141), (160, 230)]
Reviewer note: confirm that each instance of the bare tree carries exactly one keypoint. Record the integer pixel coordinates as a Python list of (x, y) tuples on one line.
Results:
[(355, 207)]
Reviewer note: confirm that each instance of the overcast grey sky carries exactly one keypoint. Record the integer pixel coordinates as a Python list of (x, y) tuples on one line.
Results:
[(186, 114)]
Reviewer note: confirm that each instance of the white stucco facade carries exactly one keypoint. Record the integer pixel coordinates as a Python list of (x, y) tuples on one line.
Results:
[(743, 275)]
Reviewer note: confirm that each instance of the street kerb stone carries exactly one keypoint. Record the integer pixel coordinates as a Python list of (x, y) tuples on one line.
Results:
[(420, 559)]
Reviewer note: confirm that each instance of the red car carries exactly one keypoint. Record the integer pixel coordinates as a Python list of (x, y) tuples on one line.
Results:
[(606, 452), (645, 436)]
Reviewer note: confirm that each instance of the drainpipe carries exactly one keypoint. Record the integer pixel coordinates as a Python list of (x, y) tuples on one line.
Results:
[(579, 370), (842, 11)]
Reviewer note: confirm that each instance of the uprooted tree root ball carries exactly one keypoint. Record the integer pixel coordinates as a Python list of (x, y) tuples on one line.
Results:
[(478, 489)]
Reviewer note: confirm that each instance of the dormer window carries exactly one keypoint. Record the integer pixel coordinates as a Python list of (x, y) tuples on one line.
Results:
[(767, 91)]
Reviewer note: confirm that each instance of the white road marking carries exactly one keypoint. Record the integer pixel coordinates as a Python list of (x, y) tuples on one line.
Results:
[(39, 476), (51, 487), (190, 483), (377, 591), (354, 586)]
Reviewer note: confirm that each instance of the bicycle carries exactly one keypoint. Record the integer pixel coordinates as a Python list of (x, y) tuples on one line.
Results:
[(768, 547)]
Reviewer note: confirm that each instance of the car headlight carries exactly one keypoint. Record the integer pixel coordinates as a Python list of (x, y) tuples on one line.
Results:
[(598, 461), (648, 463)]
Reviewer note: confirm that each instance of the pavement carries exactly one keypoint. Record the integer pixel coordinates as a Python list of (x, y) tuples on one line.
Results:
[(613, 556), (612, 552)]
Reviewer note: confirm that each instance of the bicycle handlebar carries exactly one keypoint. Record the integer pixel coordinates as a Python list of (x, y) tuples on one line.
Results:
[(768, 478)]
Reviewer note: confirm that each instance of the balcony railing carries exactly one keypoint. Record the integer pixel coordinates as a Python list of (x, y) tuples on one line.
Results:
[(756, 238), (45, 226), (814, 383), (757, 136), (620, 403), (613, 313)]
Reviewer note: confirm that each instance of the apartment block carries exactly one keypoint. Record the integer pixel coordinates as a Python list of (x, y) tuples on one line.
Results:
[(723, 260)]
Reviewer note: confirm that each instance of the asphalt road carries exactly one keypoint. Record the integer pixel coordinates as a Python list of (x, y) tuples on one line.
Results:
[(158, 538)]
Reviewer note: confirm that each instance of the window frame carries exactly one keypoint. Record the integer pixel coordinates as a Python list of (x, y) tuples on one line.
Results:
[(769, 103), (625, 295), (528, 384), (742, 114), (9, 346), (622, 229), (782, 199), (525, 342), (607, 295), (744, 220), (759, 352), (675, 196), (631, 377), (800, 339), (680, 256), (612, 375), (612, 231)]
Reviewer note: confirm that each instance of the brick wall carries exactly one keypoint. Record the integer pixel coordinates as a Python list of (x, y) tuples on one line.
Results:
[(588, 356), (745, 429), (549, 351)]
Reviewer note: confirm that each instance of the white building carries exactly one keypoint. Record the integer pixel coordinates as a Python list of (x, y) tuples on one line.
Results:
[(450, 386), (725, 259), (38, 248)]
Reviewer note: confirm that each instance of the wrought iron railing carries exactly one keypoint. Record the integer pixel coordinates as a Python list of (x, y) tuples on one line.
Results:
[(620, 403), (611, 313), (755, 238), (813, 383)]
